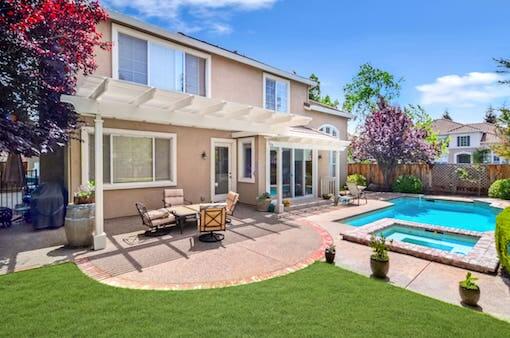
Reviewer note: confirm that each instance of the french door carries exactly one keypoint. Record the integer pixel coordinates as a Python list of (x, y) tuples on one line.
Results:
[(222, 168)]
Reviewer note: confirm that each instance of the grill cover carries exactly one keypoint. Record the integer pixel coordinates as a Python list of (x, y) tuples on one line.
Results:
[(48, 206)]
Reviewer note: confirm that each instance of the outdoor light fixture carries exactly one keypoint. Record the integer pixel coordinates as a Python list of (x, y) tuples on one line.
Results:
[(204, 155)]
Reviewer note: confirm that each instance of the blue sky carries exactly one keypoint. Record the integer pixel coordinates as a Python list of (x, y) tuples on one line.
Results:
[(442, 49)]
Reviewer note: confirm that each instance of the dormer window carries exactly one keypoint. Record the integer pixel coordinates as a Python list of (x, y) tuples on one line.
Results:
[(158, 63), (276, 94)]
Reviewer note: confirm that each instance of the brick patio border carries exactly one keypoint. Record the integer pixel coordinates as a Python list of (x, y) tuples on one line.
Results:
[(91, 270)]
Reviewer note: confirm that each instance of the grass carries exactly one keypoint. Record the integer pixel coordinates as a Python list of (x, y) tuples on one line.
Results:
[(321, 300)]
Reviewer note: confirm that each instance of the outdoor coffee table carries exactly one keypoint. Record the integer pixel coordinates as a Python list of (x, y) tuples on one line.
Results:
[(184, 213)]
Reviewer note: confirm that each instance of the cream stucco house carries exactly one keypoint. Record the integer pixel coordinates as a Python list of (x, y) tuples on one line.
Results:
[(167, 110)]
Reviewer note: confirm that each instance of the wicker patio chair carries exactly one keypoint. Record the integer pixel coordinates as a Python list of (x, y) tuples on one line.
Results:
[(232, 199)]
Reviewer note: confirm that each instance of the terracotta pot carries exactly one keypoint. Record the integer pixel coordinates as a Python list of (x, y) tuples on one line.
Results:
[(379, 268), (469, 296), (330, 257), (263, 205), (79, 224)]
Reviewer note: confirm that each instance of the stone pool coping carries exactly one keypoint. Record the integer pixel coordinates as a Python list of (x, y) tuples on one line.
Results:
[(482, 258)]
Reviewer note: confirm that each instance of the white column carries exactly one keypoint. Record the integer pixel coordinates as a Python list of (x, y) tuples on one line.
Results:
[(315, 172), (99, 234), (279, 181), (337, 174)]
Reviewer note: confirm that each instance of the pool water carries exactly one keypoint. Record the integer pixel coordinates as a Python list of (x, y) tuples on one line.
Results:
[(457, 244), (461, 215)]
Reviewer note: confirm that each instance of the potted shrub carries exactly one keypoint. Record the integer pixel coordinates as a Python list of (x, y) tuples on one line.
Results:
[(379, 260), (80, 217), (263, 202), (469, 290), (330, 252), (327, 196), (286, 203)]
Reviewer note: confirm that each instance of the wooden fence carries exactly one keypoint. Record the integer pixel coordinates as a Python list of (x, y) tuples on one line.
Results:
[(440, 178)]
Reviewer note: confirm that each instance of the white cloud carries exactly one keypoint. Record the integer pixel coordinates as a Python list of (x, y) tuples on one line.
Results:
[(202, 15), (464, 91)]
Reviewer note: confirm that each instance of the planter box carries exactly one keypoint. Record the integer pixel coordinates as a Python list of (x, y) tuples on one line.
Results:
[(79, 224)]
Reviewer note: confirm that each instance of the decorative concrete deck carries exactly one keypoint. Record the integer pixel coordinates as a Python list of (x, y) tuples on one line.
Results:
[(255, 248)]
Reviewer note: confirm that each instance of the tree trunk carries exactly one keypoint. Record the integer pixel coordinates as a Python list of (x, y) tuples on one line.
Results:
[(388, 171)]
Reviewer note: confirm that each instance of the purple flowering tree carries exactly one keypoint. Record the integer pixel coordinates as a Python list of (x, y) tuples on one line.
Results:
[(389, 138)]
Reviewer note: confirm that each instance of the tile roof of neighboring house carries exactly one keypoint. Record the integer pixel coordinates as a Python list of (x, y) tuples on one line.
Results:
[(445, 126), (206, 46), (324, 108)]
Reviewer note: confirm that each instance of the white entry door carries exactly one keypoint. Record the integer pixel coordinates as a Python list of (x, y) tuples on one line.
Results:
[(223, 176)]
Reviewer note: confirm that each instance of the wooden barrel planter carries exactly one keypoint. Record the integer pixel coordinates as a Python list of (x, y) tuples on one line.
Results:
[(80, 223)]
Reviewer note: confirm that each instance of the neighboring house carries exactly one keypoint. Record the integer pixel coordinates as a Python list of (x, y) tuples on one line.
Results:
[(165, 110), (465, 139)]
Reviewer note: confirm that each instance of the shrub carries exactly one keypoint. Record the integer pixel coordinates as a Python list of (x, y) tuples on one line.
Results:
[(500, 189), (408, 184), (502, 234), (358, 179), (380, 250), (469, 282)]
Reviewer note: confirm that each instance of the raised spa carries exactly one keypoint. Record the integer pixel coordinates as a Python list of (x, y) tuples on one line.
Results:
[(452, 243)]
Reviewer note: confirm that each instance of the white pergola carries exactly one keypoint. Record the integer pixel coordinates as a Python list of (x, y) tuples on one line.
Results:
[(103, 97)]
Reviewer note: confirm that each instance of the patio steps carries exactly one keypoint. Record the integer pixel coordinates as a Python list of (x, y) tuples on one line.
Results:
[(305, 204)]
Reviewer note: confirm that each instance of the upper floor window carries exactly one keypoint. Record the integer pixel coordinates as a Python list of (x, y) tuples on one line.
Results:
[(276, 94), (160, 64), (463, 141)]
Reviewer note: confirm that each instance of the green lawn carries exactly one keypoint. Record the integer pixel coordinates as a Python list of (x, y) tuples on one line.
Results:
[(321, 300)]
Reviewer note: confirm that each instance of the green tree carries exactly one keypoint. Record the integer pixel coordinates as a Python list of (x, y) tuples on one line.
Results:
[(367, 88), (490, 115), (422, 120), (503, 132), (315, 92), (504, 67), (446, 115)]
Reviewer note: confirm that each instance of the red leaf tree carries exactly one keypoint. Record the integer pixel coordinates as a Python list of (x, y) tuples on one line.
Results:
[(44, 45), (389, 137)]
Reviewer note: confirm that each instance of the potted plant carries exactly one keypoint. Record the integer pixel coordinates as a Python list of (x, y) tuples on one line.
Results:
[(80, 217), (263, 202), (469, 290), (330, 252), (379, 260), (286, 203), (327, 196)]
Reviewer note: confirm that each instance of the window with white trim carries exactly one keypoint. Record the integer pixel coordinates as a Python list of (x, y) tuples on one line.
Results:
[(246, 159), (276, 94), (331, 131), (134, 159), (160, 65), (463, 141)]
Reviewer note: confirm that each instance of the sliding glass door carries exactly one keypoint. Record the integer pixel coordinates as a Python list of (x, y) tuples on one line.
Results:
[(296, 172)]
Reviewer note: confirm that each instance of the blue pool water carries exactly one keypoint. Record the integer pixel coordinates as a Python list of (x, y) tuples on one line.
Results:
[(461, 215), (458, 244)]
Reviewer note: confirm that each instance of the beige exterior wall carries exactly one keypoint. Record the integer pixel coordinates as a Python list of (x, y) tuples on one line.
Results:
[(231, 81)]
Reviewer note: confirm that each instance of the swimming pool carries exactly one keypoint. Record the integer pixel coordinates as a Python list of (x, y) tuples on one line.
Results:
[(453, 243), (460, 215)]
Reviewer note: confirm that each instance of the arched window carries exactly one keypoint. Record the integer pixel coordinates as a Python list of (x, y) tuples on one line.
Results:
[(331, 131)]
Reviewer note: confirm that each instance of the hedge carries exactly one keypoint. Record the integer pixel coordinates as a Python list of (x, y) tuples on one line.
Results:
[(358, 179), (503, 238), (500, 189), (408, 184)]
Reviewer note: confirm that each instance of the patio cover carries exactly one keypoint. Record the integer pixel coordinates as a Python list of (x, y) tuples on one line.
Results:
[(307, 138), (119, 99)]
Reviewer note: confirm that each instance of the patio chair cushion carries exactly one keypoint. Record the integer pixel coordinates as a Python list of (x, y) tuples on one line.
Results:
[(162, 221), (157, 214), (232, 199), (212, 219), (173, 197)]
